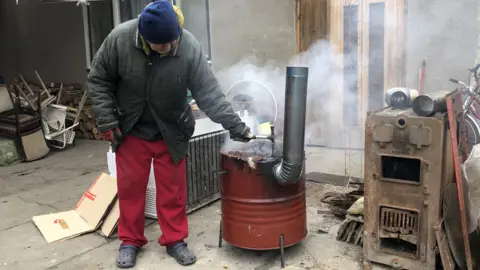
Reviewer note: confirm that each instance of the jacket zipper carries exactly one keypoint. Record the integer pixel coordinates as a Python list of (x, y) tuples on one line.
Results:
[(150, 64), (183, 114), (149, 72), (147, 83), (148, 79)]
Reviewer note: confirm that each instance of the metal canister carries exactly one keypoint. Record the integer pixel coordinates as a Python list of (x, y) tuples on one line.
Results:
[(400, 97), (430, 104)]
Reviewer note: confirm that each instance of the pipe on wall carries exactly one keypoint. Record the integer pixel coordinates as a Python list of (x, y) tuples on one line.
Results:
[(86, 34), (117, 18)]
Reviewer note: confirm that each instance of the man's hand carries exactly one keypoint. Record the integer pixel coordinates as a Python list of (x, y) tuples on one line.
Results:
[(246, 136), (112, 135)]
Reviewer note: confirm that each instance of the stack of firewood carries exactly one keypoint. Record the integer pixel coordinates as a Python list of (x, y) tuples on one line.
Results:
[(71, 96), (349, 207), (87, 127), (339, 202)]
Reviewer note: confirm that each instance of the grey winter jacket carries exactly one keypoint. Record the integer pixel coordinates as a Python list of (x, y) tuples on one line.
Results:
[(123, 79)]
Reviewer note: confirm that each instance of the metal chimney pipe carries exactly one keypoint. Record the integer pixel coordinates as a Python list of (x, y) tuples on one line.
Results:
[(290, 170)]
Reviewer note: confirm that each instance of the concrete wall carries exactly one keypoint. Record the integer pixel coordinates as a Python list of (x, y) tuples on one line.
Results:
[(43, 37), (8, 50), (49, 37), (445, 33), (264, 29)]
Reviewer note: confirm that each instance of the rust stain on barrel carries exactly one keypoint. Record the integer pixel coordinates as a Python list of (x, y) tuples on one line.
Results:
[(256, 210)]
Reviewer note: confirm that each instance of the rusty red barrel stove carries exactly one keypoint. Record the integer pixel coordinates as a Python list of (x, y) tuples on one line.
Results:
[(257, 211), (263, 206)]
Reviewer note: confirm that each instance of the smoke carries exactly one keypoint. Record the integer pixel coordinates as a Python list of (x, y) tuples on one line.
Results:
[(331, 88), (446, 36)]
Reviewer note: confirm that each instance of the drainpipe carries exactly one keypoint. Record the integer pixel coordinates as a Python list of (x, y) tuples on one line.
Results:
[(116, 12), (86, 34), (290, 170)]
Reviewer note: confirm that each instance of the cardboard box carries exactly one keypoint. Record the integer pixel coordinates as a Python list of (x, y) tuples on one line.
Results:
[(111, 221), (87, 215)]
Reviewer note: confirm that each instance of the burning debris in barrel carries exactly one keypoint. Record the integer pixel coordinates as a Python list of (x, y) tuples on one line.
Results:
[(251, 152)]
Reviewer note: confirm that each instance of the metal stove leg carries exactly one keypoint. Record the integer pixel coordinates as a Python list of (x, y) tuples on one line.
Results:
[(220, 235), (282, 252)]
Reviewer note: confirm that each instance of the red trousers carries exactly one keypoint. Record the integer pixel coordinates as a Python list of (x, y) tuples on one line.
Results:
[(133, 160)]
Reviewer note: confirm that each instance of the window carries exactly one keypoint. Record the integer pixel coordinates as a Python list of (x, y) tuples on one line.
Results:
[(376, 52), (350, 75)]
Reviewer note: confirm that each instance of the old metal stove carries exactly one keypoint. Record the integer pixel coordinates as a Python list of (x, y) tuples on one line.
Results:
[(408, 163)]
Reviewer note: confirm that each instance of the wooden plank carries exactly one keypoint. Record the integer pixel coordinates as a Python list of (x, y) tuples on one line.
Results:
[(395, 43), (312, 26), (298, 25), (312, 22)]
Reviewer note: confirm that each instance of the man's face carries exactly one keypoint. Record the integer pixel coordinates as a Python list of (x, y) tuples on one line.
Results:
[(163, 48)]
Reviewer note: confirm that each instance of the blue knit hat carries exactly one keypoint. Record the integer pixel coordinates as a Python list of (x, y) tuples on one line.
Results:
[(158, 23)]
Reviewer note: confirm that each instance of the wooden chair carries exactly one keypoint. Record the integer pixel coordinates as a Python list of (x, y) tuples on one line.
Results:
[(24, 126)]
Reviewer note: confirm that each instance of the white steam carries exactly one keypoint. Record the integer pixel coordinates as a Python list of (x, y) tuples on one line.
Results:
[(326, 91)]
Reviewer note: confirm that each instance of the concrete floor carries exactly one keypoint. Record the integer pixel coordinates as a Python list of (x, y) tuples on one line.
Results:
[(57, 182)]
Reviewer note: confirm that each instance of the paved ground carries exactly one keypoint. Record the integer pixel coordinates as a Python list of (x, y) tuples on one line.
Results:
[(58, 181)]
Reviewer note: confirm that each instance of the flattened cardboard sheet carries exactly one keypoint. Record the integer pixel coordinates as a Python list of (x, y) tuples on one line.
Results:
[(87, 215), (111, 221)]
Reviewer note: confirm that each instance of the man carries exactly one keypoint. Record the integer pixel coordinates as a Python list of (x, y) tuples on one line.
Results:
[(138, 84)]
